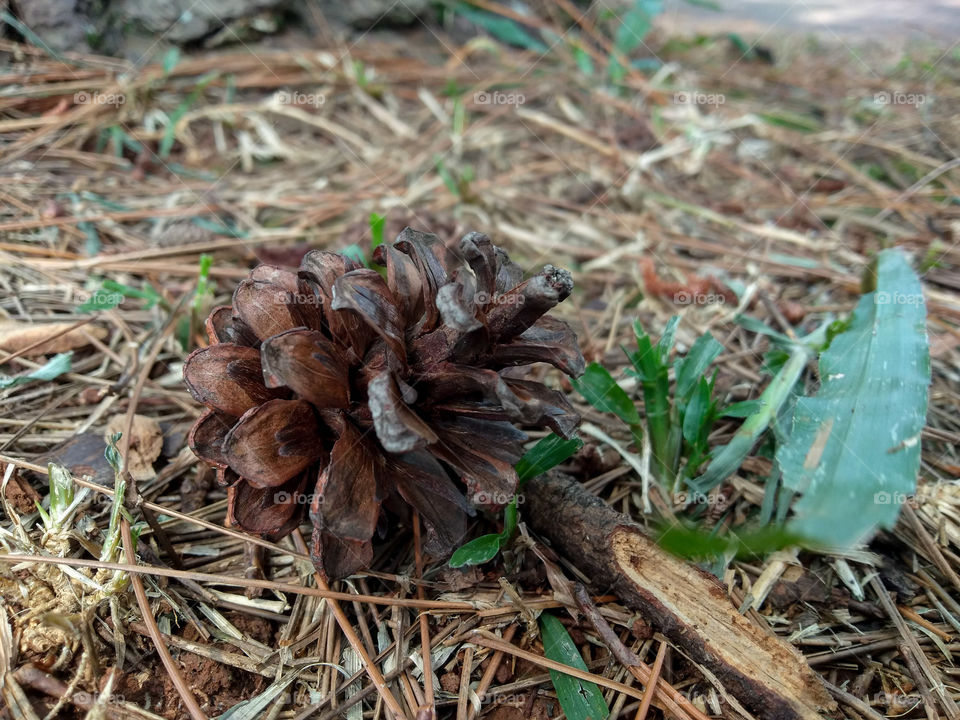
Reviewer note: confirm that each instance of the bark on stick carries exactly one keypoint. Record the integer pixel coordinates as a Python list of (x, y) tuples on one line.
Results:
[(689, 606)]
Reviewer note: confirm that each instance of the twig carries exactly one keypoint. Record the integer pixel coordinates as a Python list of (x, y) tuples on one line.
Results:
[(490, 673), (651, 687), (183, 690), (465, 670), (424, 625), (853, 702), (621, 652)]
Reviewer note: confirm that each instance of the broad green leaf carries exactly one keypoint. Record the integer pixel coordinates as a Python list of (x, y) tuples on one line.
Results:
[(101, 300), (616, 71), (601, 390), (651, 368), (691, 367), (503, 29), (203, 281), (650, 361), (853, 451), (54, 368), (477, 551), (742, 46), (546, 454), (580, 699)]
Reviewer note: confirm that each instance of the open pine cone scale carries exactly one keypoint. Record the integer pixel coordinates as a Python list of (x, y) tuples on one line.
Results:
[(349, 389)]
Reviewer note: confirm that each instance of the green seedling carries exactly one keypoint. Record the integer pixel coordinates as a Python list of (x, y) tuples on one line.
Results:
[(545, 455)]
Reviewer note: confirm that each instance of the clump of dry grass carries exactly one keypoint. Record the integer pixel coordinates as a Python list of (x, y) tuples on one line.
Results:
[(783, 190)]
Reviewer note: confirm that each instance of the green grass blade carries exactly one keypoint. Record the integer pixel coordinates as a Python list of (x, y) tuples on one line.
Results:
[(691, 367), (854, 449), (651, 367), (166, 142), (377, 223), (665, 344), (580, 700), (727, 459), (601, 390), (697, 413), (696, 543), (546, 454)]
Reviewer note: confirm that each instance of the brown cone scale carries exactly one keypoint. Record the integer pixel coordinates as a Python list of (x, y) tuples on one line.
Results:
[(338, 387)]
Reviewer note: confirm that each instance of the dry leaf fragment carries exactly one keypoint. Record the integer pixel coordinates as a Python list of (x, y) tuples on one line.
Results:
[(48, 338)]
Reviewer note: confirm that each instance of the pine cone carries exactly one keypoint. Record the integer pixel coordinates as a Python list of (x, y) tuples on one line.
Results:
[(302, 367)]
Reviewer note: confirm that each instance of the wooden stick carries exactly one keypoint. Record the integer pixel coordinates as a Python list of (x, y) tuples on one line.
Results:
[(463, 697), (650, 689), (430, 701), (183, 690), (688, 606), (488, 675)]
